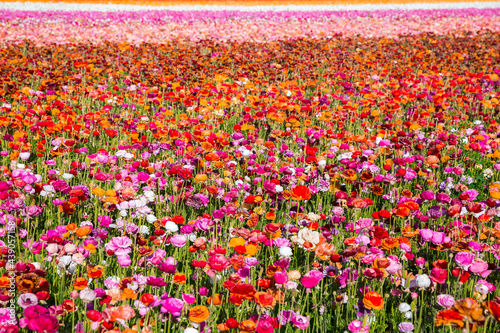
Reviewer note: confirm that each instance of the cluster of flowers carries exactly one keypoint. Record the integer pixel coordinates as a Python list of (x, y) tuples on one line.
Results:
[(236, 25), (298, 184)]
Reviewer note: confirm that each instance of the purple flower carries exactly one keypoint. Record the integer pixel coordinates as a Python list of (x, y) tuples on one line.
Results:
[(406, 327)]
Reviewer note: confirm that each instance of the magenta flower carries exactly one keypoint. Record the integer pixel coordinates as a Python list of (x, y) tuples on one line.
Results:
[(464, 259), (44, 324), (173, 306)]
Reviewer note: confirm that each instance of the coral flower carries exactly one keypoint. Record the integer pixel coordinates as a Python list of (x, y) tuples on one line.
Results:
[(373, 300), (198, 314), (265, 300)]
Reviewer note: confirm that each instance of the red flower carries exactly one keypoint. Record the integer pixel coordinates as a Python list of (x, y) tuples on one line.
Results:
[(301, 192), (439, 275)]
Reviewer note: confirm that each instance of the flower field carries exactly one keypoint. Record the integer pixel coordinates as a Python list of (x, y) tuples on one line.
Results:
[(249, 171)]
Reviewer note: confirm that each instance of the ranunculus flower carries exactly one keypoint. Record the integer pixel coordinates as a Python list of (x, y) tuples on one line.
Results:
[(373, 300), (439, 275), (218, 262), (301, 192), (299, 321), (173, 306), (445, 300), (356, 326), (464, 259), (198, 314), (178, 240)]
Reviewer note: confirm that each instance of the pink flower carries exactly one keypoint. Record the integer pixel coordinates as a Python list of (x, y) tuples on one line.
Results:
[(218, 262), (480, 267), (426, 234), (178, 240), (356, 326), (280, 277), (27, 299), (189, 298), (438, 238), (464, 259), (491, 287), (445, 300), (124, 260), (312, 279), (119, 245)]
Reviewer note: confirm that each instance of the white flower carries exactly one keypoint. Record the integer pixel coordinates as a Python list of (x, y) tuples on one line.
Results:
[(67, 176), (87, 295), (408, 315), (423, 281), (144, 230), (404, 307), (190, 330), (307, 235), (120, 153), (286, 251), (151, 218), (24, 156), (64, 261), (313, 217), (488, 173), (171, 226), (482, 289)]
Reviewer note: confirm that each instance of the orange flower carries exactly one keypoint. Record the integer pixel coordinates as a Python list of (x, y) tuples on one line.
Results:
[(236, 241), (80, 283), (390, 243), (128, 294), (373, 300), (271, 216), (95, 272), (83, 231), (216, 299), (198, 314), (470, 310), (67, 207), (301, 192), (179, 278), (325, 250), (71, 227), (4, 282), (265, 300), (449, 317), (493, 309), (247, 326)]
